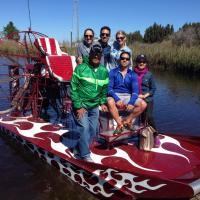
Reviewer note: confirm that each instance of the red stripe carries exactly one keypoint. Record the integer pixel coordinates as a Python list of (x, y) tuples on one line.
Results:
[(43, 44), (53, 46)]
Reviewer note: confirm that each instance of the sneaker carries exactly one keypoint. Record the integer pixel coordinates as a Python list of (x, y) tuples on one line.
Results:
[(76, 153), (88, 159), (119, 129), (157, 142)]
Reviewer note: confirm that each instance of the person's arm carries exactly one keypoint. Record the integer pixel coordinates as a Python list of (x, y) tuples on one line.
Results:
[(152, 86), (78, 50), (79, 58), (111, 92), (77, 103), (131, 64), (135, 89), (104, 90)]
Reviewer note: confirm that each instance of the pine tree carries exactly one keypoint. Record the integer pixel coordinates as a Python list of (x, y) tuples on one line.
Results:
[(9, 31)]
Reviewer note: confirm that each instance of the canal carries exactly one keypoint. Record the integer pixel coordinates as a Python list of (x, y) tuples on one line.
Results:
[(23, 176)]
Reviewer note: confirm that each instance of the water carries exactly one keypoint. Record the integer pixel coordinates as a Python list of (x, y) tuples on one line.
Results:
[(177, 110), (24, 176), (177, 103)]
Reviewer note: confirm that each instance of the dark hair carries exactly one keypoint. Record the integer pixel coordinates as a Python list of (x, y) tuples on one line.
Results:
[(125, 52), (107, 28), (89, 29)]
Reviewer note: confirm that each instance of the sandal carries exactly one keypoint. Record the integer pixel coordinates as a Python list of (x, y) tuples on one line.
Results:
[(119, 129), (128, 126)]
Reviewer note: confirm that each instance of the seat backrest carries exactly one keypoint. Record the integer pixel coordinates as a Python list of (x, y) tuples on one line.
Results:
[(59, 64), (49, 46), (61, 67)]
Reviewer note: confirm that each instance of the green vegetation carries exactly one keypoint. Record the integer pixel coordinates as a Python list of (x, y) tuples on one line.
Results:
[(13, 48), (154, 33), (172, 57), (9, 29), (135, 36), (65, 46), (164, 47), (174, 51)]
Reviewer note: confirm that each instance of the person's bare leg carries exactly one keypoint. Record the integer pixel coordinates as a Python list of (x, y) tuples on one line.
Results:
[(139, 107), (114, 111)]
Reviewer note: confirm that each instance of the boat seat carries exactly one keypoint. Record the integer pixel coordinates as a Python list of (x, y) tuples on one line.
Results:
[(59, 64), (108, 125), (49, 46)]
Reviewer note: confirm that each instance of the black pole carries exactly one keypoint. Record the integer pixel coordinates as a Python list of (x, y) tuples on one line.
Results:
[(29, 12), (71, 38)]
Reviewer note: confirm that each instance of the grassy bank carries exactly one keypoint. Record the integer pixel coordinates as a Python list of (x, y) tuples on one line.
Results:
[(172, 57), (10, 47)]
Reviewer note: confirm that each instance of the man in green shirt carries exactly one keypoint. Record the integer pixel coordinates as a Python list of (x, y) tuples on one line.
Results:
[(88, 91)]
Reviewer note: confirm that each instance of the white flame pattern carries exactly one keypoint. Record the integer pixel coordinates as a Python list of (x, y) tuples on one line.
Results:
[(171, 140), (60, 147), (130, 177), (120, 153)]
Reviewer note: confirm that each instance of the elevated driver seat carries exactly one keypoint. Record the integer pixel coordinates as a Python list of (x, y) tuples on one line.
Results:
[(59, 63)]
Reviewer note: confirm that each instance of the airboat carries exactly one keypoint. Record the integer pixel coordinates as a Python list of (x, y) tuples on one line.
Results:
[(36, 79)]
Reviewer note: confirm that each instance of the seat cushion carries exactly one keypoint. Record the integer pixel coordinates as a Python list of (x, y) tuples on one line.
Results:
[(61, 67)]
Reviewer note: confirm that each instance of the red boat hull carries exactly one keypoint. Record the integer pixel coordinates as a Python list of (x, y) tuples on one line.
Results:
[(123, 172)]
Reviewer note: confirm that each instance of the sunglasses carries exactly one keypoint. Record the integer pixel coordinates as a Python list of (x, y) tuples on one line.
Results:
[(105, 34), (88, 36), (120, 38), (124, 58)]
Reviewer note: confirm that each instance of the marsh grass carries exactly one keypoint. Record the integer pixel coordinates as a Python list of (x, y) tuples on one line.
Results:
[(9, 47), (172, 57)]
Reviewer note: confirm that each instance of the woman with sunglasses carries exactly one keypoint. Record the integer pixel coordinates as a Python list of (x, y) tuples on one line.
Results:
[(147, 89), (118, 47), (84, 47)]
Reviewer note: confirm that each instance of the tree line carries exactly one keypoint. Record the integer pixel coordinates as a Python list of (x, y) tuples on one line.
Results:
[(188, 34), (9, 29), (154, 33)]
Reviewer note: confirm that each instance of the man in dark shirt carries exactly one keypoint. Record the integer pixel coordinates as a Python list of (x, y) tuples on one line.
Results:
[(104, 39)]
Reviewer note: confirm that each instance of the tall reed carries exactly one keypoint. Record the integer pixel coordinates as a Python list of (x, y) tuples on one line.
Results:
[(172, 57), (10, 47)]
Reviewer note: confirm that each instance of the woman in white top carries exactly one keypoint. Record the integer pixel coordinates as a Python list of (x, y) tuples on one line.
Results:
[(118, 47)]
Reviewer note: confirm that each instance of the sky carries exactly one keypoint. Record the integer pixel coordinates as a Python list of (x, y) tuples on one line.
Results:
[(55, 17)]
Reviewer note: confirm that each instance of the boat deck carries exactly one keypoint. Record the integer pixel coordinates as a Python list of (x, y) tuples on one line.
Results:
[(173, 160)]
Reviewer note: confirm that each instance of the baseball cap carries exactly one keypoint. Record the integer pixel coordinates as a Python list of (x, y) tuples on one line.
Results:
[(141, 58), (96, 49)]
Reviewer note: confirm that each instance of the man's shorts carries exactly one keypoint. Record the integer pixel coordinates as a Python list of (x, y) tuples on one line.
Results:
[(125, 97)]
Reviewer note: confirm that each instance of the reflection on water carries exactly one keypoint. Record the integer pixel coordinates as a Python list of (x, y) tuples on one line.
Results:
[(177, 110), (177, 103), (24, 177)]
